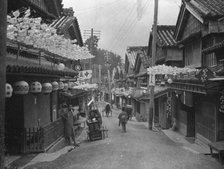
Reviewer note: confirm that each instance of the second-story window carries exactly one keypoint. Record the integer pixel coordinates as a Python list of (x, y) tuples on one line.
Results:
[(210, 60), (192, 53), (188, 54)]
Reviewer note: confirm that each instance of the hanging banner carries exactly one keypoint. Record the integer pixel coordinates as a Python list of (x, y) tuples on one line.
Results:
[(221, 103), (85, 74), (168, 104), (152, 80)]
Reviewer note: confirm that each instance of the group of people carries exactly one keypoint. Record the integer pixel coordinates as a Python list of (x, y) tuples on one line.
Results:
[(123, 116), (66, 113)]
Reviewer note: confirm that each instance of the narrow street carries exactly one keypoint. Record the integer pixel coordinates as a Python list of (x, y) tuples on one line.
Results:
[(139, 148)]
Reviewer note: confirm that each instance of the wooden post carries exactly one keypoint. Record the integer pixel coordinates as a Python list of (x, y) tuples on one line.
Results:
[(3, 33), (109, 83), (18, 52), (100, 77), (154, 40), (91, 51)]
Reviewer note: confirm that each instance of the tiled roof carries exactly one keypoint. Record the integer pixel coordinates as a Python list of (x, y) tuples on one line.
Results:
[(207, 8), (145, 59), (131, 57), (24, 65), (132, 52), (60, 23), (158, 91), (165, 35)]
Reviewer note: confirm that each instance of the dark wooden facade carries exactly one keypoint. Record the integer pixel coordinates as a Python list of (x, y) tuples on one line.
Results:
[(28, 117), (199, 32), (167, 53)]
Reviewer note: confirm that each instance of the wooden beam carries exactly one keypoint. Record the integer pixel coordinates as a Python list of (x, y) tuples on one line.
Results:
[(3, 33)]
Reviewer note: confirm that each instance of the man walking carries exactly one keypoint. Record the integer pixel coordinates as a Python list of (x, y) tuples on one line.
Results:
[(123, 119)]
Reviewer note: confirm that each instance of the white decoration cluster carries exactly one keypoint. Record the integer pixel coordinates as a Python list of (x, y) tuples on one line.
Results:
[(40, 35), (163, 69)]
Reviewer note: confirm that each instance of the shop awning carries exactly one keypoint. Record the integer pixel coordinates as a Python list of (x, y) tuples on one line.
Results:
[(217, 79), (141, 74), (74, 94), (158, 92)]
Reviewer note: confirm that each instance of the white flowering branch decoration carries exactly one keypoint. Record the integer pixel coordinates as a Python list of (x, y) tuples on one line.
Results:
[(31, 31)]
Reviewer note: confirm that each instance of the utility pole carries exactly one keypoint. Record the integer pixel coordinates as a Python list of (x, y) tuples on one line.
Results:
[(152, 86), (109, 81), (100, 76), (90, 34), (3, 33)]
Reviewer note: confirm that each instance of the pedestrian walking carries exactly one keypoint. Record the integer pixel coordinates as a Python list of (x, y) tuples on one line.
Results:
[(108, 109), (123, 119)]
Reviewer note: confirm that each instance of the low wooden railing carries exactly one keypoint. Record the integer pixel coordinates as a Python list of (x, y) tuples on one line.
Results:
[(52, 132), (39, 139), (33, 140)]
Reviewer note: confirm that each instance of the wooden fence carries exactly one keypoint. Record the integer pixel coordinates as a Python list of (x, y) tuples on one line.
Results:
[(33, 140), (52, 132), (39, 139)]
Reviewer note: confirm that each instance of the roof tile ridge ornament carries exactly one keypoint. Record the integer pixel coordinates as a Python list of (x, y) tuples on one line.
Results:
[(68, 11)]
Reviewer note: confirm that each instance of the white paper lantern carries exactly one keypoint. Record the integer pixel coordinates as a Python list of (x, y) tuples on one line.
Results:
[(55, 86), (21, 87), (8, 90), (35, 87), (61, 86), (170, 81), (65, 86), (46, 88), (71, 85), (61, 66)]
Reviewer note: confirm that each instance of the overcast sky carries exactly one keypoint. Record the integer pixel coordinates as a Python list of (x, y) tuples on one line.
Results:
[(122, 23)]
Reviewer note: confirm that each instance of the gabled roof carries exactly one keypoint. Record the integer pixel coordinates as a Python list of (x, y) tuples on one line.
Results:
[(142, 58), (131, 58), (64, 23), (201, 9)]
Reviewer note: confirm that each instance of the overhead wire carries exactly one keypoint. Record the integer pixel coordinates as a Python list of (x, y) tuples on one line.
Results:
[(125, 21), (98, 7), (115, 13), (131, 26), (124, 25)]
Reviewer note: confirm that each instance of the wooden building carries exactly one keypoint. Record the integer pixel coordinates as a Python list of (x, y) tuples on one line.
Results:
[(32, 119), (141, 80), (125, 82), (197, 99), (169, 54)]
